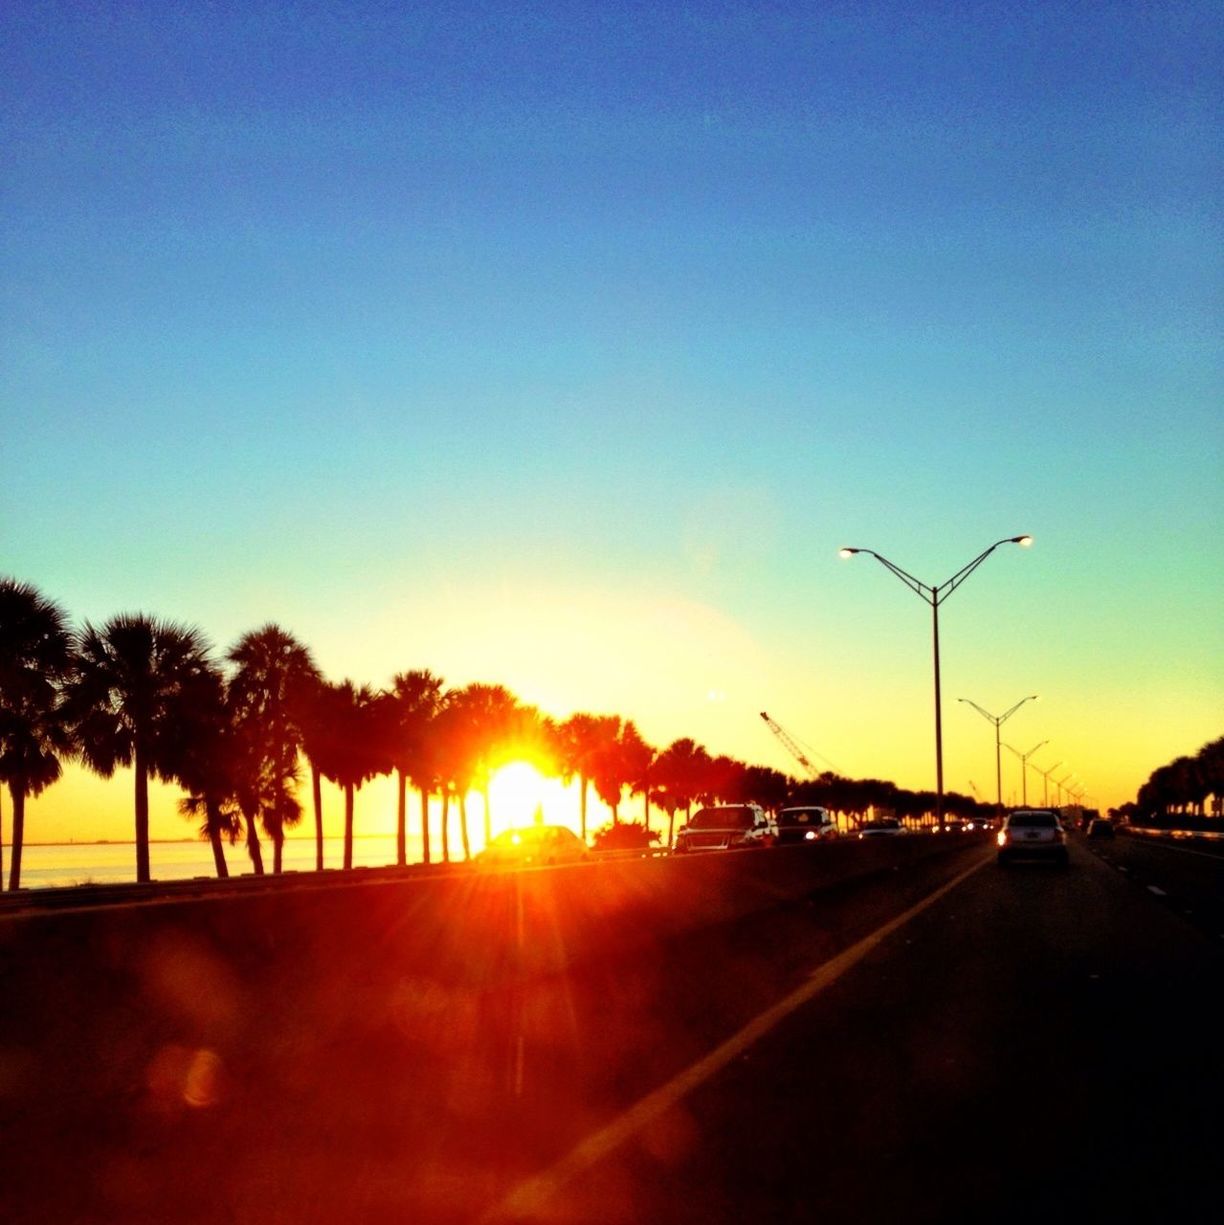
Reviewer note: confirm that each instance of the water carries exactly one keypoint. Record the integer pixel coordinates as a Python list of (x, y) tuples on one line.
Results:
[(102, 862)]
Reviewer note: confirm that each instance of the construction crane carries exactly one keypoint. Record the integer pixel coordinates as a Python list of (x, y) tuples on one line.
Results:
[(792, 746)]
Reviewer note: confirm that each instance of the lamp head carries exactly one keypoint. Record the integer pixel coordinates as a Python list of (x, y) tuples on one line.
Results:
[(1023, 541), (845, 551)]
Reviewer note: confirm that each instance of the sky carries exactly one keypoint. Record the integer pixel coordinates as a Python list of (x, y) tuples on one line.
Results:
[(563, 345)]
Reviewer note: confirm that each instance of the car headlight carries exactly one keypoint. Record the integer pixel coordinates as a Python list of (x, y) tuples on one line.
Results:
[(810, 836)]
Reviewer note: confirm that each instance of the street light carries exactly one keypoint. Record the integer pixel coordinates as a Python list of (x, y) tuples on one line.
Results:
[(935, 596), (1061, 783), (998, 721), (1024, 767), (1045, 786)]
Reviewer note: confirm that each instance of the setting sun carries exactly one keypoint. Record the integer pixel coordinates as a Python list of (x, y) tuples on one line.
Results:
[(519, 794)]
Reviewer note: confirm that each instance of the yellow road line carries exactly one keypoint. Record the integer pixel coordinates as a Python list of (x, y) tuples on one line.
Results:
[(529, 1197)]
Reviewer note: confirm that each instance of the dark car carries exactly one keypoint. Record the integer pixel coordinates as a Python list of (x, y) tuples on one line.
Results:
[(1100, 828), (726, 827), (806, 824), (1034, 833)]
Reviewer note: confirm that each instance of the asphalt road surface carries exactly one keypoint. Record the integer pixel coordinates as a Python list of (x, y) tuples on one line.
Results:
[(951, 1042)]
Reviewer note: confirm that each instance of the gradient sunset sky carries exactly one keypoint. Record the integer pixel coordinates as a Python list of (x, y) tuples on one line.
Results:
[(562, 345)]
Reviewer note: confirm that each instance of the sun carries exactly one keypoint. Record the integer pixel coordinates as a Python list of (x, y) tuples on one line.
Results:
[(519, 794), (516, 791)]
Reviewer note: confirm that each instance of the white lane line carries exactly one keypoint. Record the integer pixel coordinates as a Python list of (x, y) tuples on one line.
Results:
[(1157, 890), (527, 1200)]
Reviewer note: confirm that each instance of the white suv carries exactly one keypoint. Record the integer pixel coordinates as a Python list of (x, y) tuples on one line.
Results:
[(810, 823), (725, 827)]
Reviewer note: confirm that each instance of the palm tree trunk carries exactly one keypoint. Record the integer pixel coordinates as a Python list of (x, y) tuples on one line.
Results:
[(17, 791), (1, 838), (348, 826), (214, 840), (316, 791), (278, 852), (401, 820), (424, 825), (582, 803), (488, 815), (463, 826), (253, 847), (445, 826), (142, 817), (671, 828)]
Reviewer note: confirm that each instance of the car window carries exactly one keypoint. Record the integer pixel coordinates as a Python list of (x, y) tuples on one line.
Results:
[(1032, 820), (735, 817)]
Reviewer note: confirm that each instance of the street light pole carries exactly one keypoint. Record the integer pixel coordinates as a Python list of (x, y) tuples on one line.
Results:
[(1024, 767), (1045, 784), (934, 596), (998, 721)]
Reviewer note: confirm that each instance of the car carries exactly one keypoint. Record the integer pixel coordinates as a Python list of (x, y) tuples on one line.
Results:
[(725, 827), (533, 844), (1032, 833), (882, 827), (806, 824), (1098, 827)]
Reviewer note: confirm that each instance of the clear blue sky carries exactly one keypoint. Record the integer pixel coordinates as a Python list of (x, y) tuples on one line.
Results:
[(562, 345)]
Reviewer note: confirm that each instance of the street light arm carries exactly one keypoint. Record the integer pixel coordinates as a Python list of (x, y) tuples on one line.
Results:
[(915, 585), (965, 571), (1007, 714), (984, 713)]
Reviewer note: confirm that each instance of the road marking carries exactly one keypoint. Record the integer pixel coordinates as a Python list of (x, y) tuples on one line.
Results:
[(527, 1200), (1157, 890)]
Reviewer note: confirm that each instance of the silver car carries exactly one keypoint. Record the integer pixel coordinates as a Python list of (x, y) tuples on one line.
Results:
[(1032, 833)]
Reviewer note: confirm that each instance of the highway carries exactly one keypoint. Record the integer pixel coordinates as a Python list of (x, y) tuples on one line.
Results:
[(944, 1041)]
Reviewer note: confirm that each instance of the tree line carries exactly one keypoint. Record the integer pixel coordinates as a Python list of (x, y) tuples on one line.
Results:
[(1186, 786), (236, 734)]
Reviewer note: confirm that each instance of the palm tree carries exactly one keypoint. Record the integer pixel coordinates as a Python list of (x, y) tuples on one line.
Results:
[(272, 673), (579, 740), (617, 761), (315, 715), (411, 704), (454, 756), (682, 774), (133, 700), (36, 659), (361, 752), (208, 772), (490, 720)]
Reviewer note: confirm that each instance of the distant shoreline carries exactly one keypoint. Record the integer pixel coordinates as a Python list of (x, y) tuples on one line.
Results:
[(27, 844)]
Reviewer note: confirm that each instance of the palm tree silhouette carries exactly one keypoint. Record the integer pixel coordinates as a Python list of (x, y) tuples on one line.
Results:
[(578, 741), (208, 773), (133, 699), (617, 760), (36, 659), (489, 718), (360, 748), (682, 772), (272, 672), (410, 706)]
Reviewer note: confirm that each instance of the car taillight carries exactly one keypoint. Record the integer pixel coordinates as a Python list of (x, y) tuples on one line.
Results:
[(1001, 837)]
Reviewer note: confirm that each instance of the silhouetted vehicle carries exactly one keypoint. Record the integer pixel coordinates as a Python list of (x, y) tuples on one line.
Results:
[(885, 827), (727, 827), (810, 824), (533, 844), (1034, 833), (1100, 828)]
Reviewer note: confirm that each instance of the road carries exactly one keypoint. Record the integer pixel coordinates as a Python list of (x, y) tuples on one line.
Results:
[(948, 1042)]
